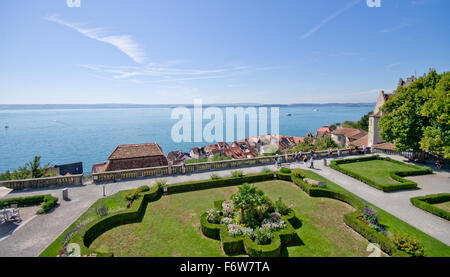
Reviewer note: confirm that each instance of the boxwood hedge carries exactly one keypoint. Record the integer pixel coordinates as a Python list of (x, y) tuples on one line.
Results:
[(244, 245), (396, 175), (48, 202), (232, 245), (425, 203), (352, 219)]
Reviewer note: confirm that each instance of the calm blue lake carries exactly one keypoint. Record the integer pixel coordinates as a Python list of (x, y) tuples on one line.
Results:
[(90, 135)]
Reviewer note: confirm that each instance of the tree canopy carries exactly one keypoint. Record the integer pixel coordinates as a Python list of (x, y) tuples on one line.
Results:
[(416, 119)]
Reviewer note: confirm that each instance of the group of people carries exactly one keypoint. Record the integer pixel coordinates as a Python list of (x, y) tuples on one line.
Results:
[(297, 157)]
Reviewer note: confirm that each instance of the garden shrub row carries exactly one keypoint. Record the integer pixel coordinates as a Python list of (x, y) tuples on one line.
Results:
[(217, 183), (48, 202), (244, 245), (396, 175), (425, 203), (352, 219), (231, 245)]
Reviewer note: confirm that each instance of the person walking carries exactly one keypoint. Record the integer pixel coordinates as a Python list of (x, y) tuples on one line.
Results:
[(364, 148), (279, 162), (305, 159), (311, 162), (338, 152)]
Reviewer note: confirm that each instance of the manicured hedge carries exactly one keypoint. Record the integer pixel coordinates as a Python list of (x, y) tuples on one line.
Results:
[(217, 183), (232, 245), (352, 219), (48, 202), (244, 245), (22, 201), (396, 175), (425, 203)]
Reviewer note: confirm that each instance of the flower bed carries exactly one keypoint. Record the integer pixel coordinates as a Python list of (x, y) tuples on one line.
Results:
[(250, 223)]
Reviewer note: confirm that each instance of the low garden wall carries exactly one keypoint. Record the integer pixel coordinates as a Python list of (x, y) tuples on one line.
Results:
[(112, 176), (58, 181), (425, 203), (396, 175)]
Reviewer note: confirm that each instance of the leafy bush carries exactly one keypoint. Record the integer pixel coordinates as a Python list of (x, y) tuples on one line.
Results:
[(227, 208), (213, 216), (215, 177), (263, 236), (226, 220), (237, 173), (410, 245), (48, 204), (299, 174), (132, 195), (285, 170), (161, 182), (281, 207)]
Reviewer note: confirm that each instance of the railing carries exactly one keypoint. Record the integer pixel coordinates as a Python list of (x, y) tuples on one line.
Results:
[(426, 156), (112, 176), (57, 181)]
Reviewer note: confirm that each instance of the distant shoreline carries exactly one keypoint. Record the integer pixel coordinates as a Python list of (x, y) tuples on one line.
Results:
[(137, 106)]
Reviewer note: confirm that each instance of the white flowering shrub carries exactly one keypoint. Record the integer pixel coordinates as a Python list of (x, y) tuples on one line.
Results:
[(213, 216), (226, 220), (227, 208)]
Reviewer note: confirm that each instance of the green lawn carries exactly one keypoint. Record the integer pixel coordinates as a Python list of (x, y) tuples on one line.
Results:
[(171, 226), (376, 170), (433, 247), (444, 205)]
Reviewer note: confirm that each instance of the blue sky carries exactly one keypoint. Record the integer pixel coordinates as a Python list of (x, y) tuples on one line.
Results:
[(157, 52)]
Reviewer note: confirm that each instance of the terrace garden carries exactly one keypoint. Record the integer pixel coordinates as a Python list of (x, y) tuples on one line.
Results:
[(382, 173), (320, 222), (437, 204)]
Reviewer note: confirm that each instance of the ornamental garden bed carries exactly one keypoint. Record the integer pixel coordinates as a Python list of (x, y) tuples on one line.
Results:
[(171, 225), (382, 173), (437, 204)]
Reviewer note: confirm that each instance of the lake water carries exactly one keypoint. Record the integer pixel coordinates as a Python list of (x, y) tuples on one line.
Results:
[(89, 135)]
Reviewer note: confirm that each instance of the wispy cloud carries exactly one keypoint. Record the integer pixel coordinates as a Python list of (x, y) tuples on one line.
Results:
[(401, 25), (148, 72), (389, 67), (163, 73), (124, 43), (330, 18)]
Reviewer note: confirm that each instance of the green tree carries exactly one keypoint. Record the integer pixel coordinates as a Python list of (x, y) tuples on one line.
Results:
[(436, 137), (247, 198), (31, 169), (403, 122)]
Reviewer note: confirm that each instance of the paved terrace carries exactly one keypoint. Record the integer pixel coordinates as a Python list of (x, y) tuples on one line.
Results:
[(33, 236)]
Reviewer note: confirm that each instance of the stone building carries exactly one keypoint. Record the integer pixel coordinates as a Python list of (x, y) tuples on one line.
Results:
[(132, 156), (346, 136), (374, 138)]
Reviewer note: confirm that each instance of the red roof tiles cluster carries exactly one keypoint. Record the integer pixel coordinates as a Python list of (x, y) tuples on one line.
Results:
[(129, 151)]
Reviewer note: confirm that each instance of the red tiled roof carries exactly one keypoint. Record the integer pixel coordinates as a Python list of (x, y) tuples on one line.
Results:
[(361, 141), (384, 145), (128, 151), (298, 139), (97, 168), (351, 133), (324, 129)]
